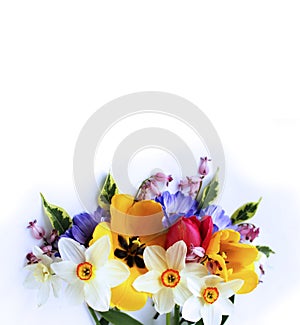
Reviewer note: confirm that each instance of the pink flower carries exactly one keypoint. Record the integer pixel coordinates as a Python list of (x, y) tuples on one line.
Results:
[(203, 168), (36, 231), (161, 177)]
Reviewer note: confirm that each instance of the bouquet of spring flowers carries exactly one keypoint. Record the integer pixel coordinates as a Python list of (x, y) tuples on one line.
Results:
[(178, 249)]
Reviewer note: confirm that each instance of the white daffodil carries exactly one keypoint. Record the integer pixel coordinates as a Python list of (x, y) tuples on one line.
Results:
[(210, 299), (167, 276), (42, 277), (89, 273)]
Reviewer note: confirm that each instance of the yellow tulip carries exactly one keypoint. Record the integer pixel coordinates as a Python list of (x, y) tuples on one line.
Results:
[(231, 259), (129, 248)]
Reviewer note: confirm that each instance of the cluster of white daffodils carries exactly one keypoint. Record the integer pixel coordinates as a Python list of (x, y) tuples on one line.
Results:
[(89, 273), (171, 281)]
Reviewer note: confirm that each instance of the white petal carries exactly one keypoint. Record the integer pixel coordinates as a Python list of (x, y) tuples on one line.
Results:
[(225, 306), (164, 300), (56, 285), (211, 314), (30, 281), (148, 282), (176, 255), (227, 289), (191, 310), (74, 293), (155, 258), (212, 280), (181, 293), (65, 270), (97, 254), (43, 293), (113, 273), (194, 270), (42, 256), (97, 295), (70, 250), (195, 285)]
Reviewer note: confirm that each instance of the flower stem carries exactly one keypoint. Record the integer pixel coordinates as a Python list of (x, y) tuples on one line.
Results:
[(176, 314), (168, 319), (93, 314)]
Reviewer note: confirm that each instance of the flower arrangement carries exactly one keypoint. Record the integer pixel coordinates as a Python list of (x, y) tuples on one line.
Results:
[(178, 249)]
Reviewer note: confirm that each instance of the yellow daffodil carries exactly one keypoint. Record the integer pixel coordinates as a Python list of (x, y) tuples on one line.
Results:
[(128, 245), (230, 259)]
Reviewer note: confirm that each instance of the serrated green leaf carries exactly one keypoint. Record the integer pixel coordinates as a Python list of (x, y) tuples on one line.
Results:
[(265, 250), (117, 317), (59, 218), (108, 190), (245, 212), (210, 192)]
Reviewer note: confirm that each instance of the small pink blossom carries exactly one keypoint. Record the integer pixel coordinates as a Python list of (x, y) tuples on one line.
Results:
[(47, 250), (190, 185), (248, 232), (161, 177), (36, 231), (203, 168)]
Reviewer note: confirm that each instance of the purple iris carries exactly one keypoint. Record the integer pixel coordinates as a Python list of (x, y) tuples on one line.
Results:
[(175, 206), (84, 225), (220, 219)]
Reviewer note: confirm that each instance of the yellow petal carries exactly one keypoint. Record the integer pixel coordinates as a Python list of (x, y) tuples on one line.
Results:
[(135, 218), (125, 297), (250, 280)]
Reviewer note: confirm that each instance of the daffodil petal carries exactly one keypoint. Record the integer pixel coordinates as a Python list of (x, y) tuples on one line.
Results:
[(195, 284), (175, 255), (225, 306), (212, 280), (74, 293), (97, 295), (43, 293), (97, 254), (230, 288), (148, 282), (70, 250), (191, 309), (181, 293), (30, 280), (164, 300), (41, 256), (114, 272), (211, 314), (194, 270), (56, 285), (65, 270), (155, 258)]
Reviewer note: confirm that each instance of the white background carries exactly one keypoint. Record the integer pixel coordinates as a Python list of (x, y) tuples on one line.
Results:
[(238, 61)]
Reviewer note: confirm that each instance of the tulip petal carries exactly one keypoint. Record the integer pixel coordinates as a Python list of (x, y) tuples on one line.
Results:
[(175, 255), (250, 280)]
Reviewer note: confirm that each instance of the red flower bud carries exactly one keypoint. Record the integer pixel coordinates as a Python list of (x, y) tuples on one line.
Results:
[(186, 229)]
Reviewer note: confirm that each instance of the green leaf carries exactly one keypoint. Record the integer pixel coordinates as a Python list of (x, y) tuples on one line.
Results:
[(59, 218), (265, 250), (108, 190), (245, 212), (117, 317), (210, 192)]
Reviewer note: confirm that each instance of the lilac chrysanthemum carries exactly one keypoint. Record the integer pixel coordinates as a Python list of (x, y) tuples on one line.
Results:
[(176, 205), (84, 225), (220, 219)]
